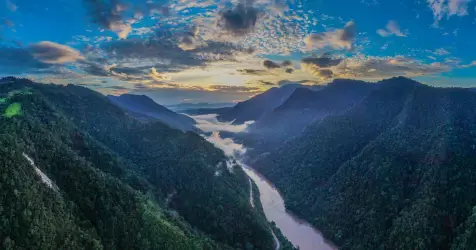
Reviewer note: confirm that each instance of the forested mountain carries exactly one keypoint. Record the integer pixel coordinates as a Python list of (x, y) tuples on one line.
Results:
[(117, 183), (303, 107), (141, 105), (259, 105), (394, 172)]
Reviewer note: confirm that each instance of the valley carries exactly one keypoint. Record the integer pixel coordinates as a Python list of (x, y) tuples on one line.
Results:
[(297, 231), (386, 164), (237, 125)]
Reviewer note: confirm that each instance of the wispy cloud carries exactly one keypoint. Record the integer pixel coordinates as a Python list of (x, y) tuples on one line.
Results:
[(335, 39), (11, 6), (209, 123), (53, 53), (448, 8), (392, 29)]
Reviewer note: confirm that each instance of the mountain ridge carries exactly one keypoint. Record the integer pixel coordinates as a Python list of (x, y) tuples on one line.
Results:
[(122, 183), (145, 106), (389, 172), (257, 106)]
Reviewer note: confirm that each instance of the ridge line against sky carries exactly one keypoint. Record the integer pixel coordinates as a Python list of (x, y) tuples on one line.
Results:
[(229, 50)]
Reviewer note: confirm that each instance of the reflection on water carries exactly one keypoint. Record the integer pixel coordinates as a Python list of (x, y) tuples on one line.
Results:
[(298, 232)]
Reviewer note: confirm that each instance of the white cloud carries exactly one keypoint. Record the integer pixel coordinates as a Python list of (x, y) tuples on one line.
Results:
[(209, 123), (336, 39), (158, 76), (441, 52), (228, 146), (391, 29), (121, 29), (448, 8), (377, 68), (53, 53)]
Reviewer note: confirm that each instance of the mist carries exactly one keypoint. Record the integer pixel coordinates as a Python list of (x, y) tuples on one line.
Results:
[(209, 123)]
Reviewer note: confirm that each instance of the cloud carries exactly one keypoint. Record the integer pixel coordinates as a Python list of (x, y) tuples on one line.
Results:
[(228, 145), (53, 53), (325, 73), (110, 15), (157, 76), (122, 29), (95, 69), (321, 62), (448, 8), (305, 82), (320, 67), (105, 13), (271, 65), (116, 87), (335, 39), (209, 123), (11, 6), (190, 41), (240, 20), (172, 94), (254, 72), (368, 67), (441, 52), (7, 22), (471, 64), (266, 83), (236, 89), (163, 53), (20, 61), (391, 29), (371, 67), (286, 63)]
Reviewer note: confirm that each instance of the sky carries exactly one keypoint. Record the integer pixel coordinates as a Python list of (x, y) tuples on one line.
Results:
[(230, 50)]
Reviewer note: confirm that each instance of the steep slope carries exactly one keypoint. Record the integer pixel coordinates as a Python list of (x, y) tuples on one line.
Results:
[(117, 179), (143, 105), (391, 173), (303, 107), (259, 105)]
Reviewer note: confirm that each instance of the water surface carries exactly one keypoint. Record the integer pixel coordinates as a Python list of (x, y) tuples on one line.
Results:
[(298, 232)]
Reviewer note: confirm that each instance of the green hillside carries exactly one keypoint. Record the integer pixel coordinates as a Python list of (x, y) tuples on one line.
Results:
[(394, 172), (122, 184)]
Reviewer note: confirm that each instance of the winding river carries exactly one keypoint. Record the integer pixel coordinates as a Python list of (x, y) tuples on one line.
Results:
[(300, 233)]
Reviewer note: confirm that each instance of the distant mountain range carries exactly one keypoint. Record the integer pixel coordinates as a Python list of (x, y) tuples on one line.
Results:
[(388, 165), (145, 107), (258, 106), (206, 111), (200, 105)]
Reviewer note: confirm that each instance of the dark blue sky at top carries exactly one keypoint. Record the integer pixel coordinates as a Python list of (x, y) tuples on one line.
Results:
[(194, 51)]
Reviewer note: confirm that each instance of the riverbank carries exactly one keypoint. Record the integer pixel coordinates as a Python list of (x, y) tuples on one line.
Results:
[(299, 233), (281, 242)]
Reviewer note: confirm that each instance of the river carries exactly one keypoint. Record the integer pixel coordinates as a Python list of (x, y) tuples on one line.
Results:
[(300, 233)]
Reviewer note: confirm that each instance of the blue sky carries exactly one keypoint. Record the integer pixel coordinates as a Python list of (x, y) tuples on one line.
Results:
[(228, 50)]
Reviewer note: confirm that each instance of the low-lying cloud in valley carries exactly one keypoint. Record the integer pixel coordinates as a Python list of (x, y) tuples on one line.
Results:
[(210, 124)]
